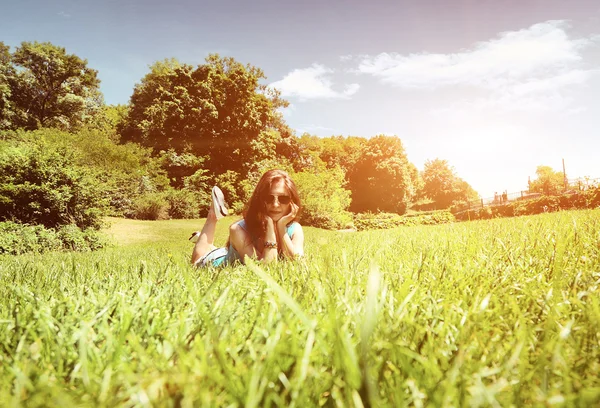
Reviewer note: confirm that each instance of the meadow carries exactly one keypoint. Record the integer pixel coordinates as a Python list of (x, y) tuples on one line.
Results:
[(501, 312)]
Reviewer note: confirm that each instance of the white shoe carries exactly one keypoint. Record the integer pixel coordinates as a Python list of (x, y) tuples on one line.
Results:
[(218, 201), (195, 236)]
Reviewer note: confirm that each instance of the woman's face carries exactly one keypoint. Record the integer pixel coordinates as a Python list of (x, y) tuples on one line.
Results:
[(278, 202)]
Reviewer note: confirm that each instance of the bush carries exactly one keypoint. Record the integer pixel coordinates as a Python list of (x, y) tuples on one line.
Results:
[(325, 221), (382, 220), (370, 221), (43, 184), (182, 204), (577, 200), (149, 206), (72, 238), (94, 239), (324, 199), (232, 186), (17, 239), (593, 198), (48, 239), (424, 205), (199, 185), (121, 171), (436, 217)]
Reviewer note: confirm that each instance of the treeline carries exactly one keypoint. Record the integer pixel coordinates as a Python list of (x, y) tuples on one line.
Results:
[(185, 129)]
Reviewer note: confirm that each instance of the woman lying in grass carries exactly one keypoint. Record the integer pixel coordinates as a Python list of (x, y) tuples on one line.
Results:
[(269, 229)]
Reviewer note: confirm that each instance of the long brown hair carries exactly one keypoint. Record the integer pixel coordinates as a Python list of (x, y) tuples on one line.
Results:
[(255, 214)]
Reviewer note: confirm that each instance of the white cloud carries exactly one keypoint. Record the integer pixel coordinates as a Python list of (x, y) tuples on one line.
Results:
[(312, 83), (351, 89), (63, 14), (316, 129), (526, 69)]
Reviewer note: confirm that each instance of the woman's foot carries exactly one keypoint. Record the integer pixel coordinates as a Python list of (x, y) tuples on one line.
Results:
[(218, 203), (195, 236)]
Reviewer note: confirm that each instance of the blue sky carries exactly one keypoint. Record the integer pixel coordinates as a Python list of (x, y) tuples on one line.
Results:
[(494, 87)]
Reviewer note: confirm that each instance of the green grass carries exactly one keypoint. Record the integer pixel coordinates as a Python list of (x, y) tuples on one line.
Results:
[(489, 313)]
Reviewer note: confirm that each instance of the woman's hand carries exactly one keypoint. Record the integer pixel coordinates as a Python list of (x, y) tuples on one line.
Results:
[(293, 246), (270, 253), (270, 224), (288, 218)]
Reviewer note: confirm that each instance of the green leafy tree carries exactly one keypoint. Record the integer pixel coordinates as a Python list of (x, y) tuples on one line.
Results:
[(382, 178), (334, 151), (324, 197), (308, 152), (342, 151), (108, 119), (218, 109), (548, 181), (179, 166), (50, 88), (7, 72), (443, 186)]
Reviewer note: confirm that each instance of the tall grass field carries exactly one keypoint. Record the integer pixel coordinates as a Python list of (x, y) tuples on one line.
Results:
[(504, 312)]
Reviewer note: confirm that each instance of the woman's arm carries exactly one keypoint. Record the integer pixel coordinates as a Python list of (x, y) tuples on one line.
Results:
[(291, 247), (241, 241)]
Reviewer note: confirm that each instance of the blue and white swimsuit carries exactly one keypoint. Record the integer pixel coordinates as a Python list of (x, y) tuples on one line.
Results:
[(228, 255)]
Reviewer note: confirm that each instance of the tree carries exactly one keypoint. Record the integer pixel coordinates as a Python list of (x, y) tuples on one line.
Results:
[(443, 186), (382, 178), (325, 199), (334, 151), (108, 119), (548, 182), (6, 73), (218, 109), (50, 88), (342, 151)]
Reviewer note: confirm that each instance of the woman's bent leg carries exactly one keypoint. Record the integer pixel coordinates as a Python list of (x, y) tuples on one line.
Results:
[(207, 236)]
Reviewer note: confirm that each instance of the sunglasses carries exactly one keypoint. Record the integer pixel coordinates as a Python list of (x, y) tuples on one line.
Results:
[(282, 199)]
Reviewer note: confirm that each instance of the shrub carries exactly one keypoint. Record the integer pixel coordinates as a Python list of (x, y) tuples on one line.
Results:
[(232, 186), (436, 217), (199, 185), (94, 239), (593, 198), (325, 221), (424, 205), (369, 221), (43, 184), (149, 206), (382, 220), (182, 204), (325, 200), (577, 200), (17, 239), (120, 171), (72, 238), (48, 239)]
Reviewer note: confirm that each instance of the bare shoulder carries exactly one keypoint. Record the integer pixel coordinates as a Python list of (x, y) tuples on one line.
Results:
[(237, 233), (298, 231), (235, 227)]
